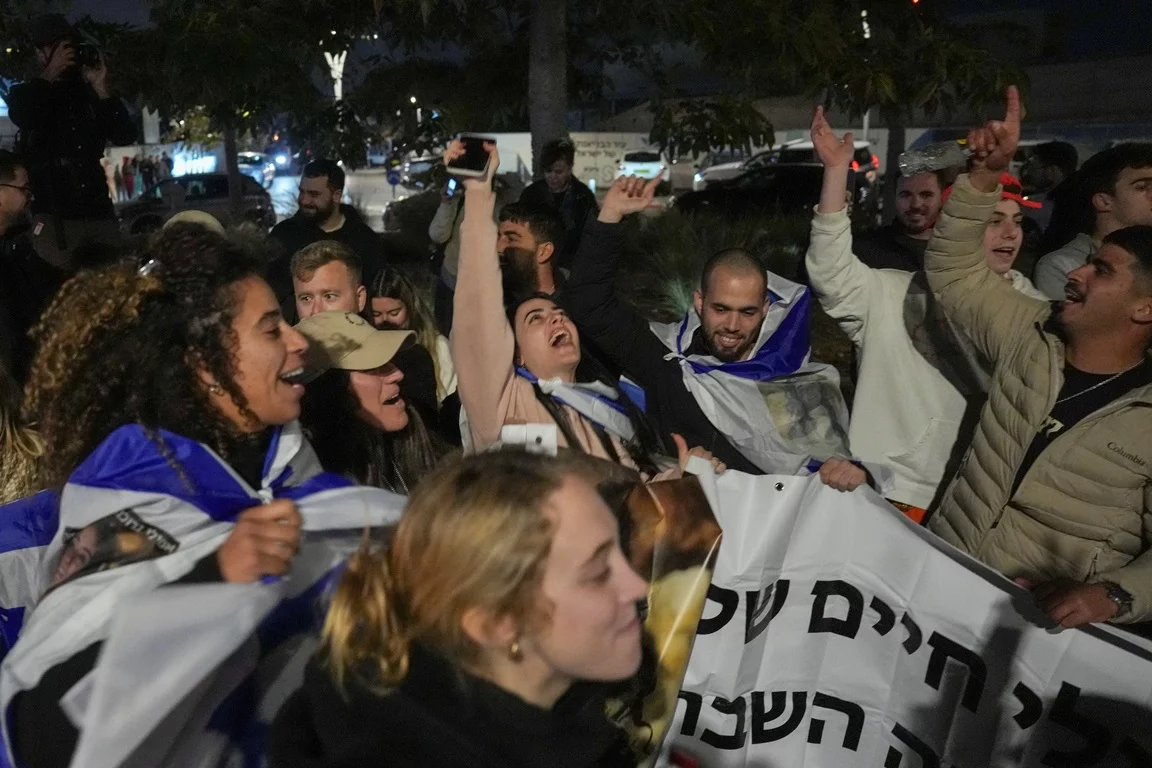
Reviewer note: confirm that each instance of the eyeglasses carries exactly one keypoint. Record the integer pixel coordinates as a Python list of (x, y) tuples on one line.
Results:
[(25, 189)]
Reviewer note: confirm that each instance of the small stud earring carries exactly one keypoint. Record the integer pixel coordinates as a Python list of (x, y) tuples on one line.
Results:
[(216, 389), (514, 651)]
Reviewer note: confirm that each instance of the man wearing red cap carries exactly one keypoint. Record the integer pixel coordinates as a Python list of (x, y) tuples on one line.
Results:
[(921, 382)]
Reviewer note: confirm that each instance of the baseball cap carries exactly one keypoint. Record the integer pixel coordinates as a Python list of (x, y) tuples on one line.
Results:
[(347, 341), (47, 28), (1010, 189)]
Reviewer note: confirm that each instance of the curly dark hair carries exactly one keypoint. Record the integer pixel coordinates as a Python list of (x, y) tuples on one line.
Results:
[(124, 345), (347, 445)]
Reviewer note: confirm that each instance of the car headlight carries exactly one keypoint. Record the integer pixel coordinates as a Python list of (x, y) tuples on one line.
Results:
[(281, 160)]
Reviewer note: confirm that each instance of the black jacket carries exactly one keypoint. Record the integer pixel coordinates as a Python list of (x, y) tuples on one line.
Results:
[(889, 248), (439, 717), (624, 337), (64, 128), (27, 285), (576, 207), (296, 232)]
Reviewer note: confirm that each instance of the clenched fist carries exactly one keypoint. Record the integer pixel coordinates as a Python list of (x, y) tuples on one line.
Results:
[(263, 543)]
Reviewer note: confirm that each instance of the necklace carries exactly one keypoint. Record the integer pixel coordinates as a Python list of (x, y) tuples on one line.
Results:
[(1108, 380)]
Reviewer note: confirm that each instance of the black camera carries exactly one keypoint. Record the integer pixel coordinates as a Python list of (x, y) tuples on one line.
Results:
[(87, 55)]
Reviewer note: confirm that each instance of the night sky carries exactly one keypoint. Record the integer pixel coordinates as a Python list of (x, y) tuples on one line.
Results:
[(1086, 28)]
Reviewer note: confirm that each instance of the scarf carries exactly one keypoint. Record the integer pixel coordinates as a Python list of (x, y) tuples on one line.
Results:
[(779, 409), (133, 518), (594, 400)]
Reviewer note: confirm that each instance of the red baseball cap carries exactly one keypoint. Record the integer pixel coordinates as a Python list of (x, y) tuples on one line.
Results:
[(1011, 190)]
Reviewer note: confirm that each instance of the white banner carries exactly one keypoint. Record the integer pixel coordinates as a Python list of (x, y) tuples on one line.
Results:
[(838, 634)]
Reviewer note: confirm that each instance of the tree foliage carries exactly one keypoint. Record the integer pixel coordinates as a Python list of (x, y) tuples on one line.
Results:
[(698, 126)]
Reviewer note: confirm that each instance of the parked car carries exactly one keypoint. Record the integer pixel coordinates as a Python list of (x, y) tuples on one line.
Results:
[(802, 151), (645, 165), (206, 192), (774, 188), (418, 171), (258, 166), (718, 166)]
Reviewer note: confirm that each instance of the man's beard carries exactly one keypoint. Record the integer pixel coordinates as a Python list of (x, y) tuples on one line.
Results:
[(917, 230), (1055, 322), (518, 273), (16, 223), (319, 214), (726, 355)]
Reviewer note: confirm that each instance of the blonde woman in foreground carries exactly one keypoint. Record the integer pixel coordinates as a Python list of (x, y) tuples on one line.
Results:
[(485, 636)]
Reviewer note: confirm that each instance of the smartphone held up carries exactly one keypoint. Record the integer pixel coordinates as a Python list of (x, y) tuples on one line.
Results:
[(474, 161)]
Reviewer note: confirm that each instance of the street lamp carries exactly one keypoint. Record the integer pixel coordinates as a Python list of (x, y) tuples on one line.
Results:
[(418, 110)]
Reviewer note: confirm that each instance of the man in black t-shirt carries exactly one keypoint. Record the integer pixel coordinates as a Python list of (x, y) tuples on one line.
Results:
[(1056, 489)]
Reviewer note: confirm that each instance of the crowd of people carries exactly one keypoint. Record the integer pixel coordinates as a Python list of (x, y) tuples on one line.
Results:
[(129, 179), (495, 622)]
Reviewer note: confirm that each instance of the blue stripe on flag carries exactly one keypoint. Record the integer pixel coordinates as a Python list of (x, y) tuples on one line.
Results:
[(781, 354), (11, 622), (29, 522), (129, 460)]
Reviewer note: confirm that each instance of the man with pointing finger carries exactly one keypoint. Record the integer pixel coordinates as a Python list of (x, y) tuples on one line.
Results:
[(1056, 488)]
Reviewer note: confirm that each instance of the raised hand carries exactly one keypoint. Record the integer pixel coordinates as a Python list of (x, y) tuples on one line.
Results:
[(456, 150), (97, 77), (833, 152), (628, 194), (62, 58), (994, 145)]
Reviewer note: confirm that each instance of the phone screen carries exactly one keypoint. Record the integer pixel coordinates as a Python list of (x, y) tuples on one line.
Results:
[(453, 185), (475, 159)]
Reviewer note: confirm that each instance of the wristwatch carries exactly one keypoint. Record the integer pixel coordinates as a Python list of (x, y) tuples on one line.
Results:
[(1120, 596)]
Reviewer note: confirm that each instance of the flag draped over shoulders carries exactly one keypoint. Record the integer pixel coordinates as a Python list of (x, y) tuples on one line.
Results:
[(185, 672)]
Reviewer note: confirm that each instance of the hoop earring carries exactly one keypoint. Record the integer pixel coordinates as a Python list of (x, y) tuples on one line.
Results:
[(514, 651)]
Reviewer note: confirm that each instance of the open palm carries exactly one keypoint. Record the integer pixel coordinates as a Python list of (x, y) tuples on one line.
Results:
[(630, 194), (833, 152)]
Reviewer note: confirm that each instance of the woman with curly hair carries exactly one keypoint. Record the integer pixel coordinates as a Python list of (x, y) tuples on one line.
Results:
[(487, 635), (20, 445), (169, 367), (354, 413), (395, 302)]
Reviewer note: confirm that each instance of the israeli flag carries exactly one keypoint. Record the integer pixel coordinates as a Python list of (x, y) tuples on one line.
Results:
[(188, 675)]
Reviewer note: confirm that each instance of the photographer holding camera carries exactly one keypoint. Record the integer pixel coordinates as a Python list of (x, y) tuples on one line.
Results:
[(66, 117)]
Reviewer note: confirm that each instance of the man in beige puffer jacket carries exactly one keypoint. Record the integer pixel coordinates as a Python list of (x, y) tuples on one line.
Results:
[(1056, 489)]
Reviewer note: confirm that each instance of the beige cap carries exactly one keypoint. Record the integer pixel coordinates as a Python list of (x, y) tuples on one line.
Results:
[(206, 220), (347, 341)]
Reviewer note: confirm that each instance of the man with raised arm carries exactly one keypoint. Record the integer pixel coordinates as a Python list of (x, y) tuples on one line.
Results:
[(734, 375), (1056, 489), (920, 382)]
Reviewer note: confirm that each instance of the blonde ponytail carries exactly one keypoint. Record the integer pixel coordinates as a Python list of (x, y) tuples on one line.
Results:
[(362, 629), (474, 535)]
